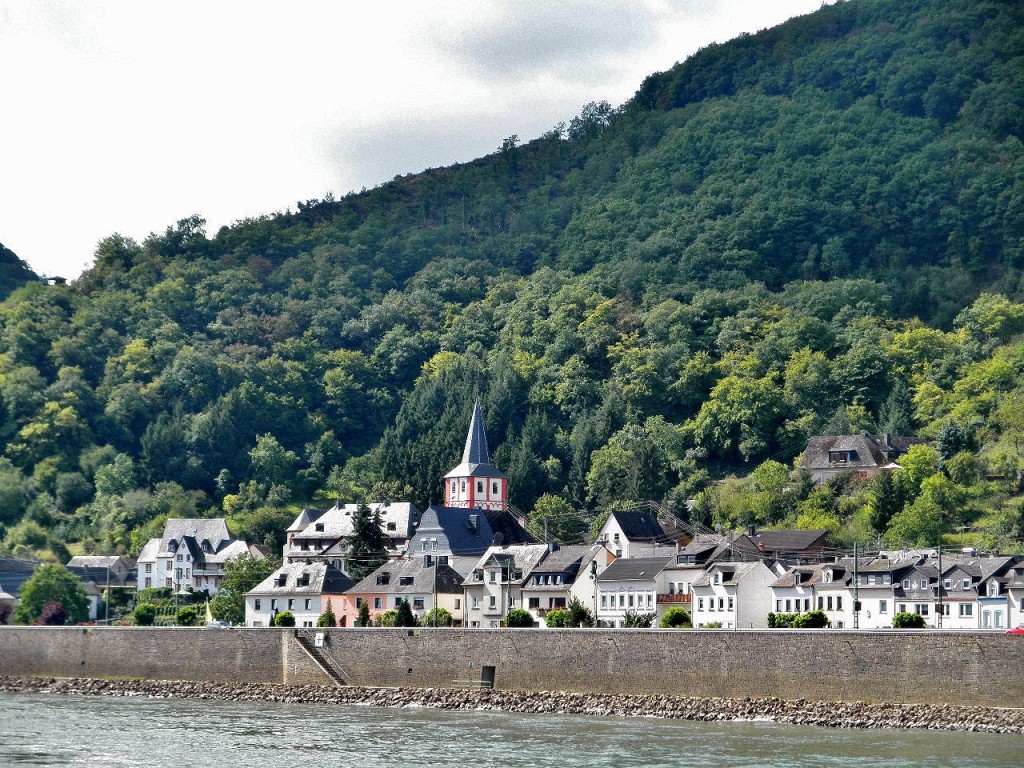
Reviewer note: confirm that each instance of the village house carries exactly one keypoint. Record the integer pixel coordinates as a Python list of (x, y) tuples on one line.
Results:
[(422, 581), (734, 595), (829, 455), (585, 587), (326, 535), (632, 534), (120, 570), (458, 536), (303, 589), (190, 556), (550, 583), (629, 585), (994, 606), (674, 585), (793, 591), (495, 585)]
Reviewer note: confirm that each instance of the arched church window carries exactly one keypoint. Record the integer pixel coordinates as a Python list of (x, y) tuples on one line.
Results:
[(479, 486), (494, 488), (463, 486)]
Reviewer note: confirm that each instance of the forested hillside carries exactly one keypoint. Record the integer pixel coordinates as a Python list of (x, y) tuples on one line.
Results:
[(13, 272), (810, 230)]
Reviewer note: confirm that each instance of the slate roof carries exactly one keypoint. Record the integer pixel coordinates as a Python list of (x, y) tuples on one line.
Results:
[(732, 573), (519, 557), (564, 558), (338, 521), (790, 541), (872, 451), (101, 561), (324, 578), (476, 457), (421, 579), (634, 569), (304, 518), (14, 572), (472, 531), (639, 526)]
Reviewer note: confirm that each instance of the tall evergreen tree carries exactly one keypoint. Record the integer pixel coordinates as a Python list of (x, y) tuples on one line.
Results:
[(368, 545)]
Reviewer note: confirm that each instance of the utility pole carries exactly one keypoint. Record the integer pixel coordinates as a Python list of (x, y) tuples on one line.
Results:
[(856, 588), (106, 600), (938, 586)]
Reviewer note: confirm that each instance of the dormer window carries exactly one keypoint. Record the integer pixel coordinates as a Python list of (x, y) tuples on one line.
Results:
[(282, 580), (383, 578), (172, 547), (796, 578), (392, 526), (965, 584), (993, 588), (303, 580), (827, 576), (718, 577), (842, 457), (405, 581), (319, 527)]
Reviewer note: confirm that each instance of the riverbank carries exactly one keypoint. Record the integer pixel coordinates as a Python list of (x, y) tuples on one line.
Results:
[(798, 712)]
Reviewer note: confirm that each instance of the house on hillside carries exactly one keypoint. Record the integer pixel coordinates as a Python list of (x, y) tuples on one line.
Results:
[(122, 570), (828, 455), (458, 536), (190, 555), (789, 545), (325, 534), (304, 589), (632, 534), (423, 581), (495, 585)]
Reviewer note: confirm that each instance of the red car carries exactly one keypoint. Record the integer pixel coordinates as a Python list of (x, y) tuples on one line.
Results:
[(1016, 631)]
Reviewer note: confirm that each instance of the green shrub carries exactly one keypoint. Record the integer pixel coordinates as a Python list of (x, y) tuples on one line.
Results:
[(387, 619), (144, 614), (519, 619), (284, 619), (436, 617), (557, 619), (712, 625), (907, 620), (579, 614), (676, 618), (327, 618), (190, 616), (811, 620), (638, 620), (404, 616), (363, 620)]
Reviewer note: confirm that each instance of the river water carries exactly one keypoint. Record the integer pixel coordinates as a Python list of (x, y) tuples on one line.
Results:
[(63, 730)]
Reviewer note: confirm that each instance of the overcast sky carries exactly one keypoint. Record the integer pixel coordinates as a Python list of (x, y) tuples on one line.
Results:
[(127, 116)]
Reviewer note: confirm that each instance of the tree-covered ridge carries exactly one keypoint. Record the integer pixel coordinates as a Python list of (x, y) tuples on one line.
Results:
[(13, 272), (647, 299)]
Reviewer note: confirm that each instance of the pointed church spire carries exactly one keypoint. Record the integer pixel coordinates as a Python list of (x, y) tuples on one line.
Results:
[(476, 441)]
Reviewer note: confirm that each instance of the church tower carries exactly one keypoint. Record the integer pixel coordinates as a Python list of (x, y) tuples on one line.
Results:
[(476, 483)]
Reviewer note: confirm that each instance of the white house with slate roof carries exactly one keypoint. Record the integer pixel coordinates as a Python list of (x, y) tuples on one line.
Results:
[(629, 585), (829, 455), (735, 595), (190, 555), (549, 584), (325, 535), (301, 588), (495, 585), (631, 534)]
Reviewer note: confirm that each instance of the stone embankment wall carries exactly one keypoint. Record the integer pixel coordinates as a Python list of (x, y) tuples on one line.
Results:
[(954, 667)]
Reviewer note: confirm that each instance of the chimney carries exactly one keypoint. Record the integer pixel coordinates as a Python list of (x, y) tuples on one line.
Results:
[(751, 530), (553, 546)]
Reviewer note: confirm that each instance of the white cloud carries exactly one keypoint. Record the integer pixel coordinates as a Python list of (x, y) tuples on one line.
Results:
[(126, 116)]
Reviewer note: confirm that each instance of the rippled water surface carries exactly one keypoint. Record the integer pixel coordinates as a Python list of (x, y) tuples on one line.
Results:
[(62, 730)]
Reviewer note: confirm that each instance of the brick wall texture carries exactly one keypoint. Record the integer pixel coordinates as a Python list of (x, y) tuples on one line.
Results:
[(954, 667)]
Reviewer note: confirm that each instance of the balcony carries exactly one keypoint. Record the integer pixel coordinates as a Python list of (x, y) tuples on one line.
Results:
[(674, 599)]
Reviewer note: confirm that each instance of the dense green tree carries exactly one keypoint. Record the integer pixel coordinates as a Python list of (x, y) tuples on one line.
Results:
[(519, 618), (404, 616), (241, 574), (368, 543), (52, 584)]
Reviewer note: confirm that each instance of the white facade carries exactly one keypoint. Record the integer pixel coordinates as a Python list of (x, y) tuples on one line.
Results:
[(735, 595)]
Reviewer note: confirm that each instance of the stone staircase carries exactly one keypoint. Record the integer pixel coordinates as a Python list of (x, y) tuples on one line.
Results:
[(322, 656)]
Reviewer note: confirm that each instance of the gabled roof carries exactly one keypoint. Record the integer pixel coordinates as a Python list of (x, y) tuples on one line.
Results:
[(476, 457), (732, 573), (634, 569), (872, 451), (563, 557), (323, 578), (472, 531), (101, 561), (520, 557), (639, 526), (411, 576), (304, 518), (339, 521), (790, 541)]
